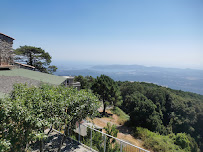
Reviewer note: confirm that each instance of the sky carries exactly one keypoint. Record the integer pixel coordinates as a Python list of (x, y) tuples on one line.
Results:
[(164, 33)]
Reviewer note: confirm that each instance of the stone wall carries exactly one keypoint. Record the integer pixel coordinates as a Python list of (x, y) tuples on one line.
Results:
[(6, 51)]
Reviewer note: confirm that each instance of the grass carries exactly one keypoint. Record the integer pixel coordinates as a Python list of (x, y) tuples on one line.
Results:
[(123, 117)]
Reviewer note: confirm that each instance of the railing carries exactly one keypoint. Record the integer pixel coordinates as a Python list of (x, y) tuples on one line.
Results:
[(99, 141)]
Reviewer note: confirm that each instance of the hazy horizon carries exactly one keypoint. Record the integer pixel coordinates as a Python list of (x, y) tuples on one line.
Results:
[(89, 64)]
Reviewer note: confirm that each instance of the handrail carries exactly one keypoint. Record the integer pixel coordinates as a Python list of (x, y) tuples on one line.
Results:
[(75, 141), (116, 138)]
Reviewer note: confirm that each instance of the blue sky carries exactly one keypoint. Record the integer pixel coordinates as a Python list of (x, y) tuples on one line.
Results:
[(166, 33)]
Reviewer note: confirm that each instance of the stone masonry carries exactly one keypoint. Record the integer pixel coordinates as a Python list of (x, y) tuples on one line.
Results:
[(6, 51)]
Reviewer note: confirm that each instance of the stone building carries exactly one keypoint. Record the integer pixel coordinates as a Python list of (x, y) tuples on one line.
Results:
[(6, 51)]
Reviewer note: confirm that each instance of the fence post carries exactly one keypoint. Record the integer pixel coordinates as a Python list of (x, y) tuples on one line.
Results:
[(79, 133), (91, 139), (121, 147), (104, 143)]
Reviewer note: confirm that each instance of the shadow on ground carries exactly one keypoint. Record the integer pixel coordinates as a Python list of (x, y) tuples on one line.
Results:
[(124, 129), (106, 115)]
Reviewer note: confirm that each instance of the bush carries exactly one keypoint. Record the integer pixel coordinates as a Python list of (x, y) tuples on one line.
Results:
[(4, 145), (170, 143), (186, 142)]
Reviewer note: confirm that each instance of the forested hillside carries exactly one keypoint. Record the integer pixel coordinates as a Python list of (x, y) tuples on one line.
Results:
[(162, 110)]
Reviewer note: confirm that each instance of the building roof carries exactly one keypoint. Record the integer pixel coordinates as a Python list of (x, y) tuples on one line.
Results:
[(68, 77), (43, 77), (2, 94), (26, 76), (7, 36)]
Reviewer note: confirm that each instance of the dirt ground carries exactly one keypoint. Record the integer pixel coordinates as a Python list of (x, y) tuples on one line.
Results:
[(124, 132)]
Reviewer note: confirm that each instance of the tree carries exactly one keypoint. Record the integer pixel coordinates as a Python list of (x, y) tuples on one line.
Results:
[(143, 113), (86, 82), (108, 91), (26, 113), (186, 142), (36, 57)]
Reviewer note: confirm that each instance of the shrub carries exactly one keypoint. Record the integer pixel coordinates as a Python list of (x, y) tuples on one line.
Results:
[(170, 143), (186, 142)]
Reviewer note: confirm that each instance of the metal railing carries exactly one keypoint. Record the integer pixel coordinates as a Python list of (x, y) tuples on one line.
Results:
[(100, 141)]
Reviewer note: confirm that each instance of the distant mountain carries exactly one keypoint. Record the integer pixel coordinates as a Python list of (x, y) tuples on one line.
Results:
[(180, 79)]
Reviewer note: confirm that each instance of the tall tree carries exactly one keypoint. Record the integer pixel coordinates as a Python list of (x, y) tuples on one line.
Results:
[(108, 91), (36, 57)]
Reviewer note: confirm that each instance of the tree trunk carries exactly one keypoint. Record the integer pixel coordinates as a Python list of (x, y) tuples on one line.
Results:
[(63, 139), (50, 130), (31, 63), (104, 108), (41, 142), (41, 145)]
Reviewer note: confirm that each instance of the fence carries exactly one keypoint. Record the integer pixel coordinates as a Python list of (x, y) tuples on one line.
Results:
[(100, 141)]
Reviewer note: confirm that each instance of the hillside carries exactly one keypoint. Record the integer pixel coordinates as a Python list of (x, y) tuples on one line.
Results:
[(125, 133), (161, 110)]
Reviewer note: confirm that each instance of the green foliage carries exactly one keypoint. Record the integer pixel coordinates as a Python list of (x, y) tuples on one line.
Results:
[(162, 109), (4, 145), (168, 143), (107, 90), (111, 130), (98, 140), (144, 112), (156, 108), (28, 111), (86, 82), (36, 57), (186, 142), (123, 117), (51, 69)]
